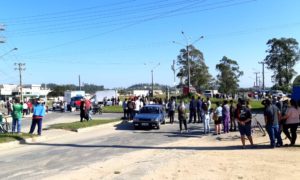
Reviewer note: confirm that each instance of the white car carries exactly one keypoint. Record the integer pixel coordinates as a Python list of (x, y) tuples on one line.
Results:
[(278, 93)]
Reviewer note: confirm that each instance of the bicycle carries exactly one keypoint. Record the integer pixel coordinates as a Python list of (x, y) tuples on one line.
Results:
[(257, 127), (4, 126)]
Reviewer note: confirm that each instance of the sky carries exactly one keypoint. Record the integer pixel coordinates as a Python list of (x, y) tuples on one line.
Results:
[(116, 43)]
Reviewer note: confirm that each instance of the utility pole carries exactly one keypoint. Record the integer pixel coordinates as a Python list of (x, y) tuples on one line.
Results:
[(188, 54), (174, 71), (20, 67), (263, 74), (152, 83), (2, 28), (256, 73), (79, 83)]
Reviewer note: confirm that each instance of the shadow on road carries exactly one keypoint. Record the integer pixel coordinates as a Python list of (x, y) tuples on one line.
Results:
[(193, 148)]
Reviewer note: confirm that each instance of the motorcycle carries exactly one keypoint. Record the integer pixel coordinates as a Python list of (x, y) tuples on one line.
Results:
[(98, 108)]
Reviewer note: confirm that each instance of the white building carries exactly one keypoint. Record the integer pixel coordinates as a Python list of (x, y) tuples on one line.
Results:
[(8, 91)]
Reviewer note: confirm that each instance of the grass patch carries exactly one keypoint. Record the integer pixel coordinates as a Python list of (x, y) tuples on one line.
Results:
[(74, 126), (112, 109), (8, 137)]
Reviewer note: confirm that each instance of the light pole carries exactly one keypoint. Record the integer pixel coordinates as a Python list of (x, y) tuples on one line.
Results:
[(152, 83), (14, 49), (188, 54), (263, 74), (20, 67)]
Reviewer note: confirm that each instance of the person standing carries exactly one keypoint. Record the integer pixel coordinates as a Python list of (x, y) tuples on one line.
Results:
[(182, 116), (193, 108), (171, 109), (9, 107), (137, 106), (124, 106), (87, 109), (206, 121), (82, 110), (272, 116), (226, 116), (37, 117), (292, 121), (16, 114), (131, 107), (29, 104), (285, 106), (244, 117), (199, 110), (232, 118), (218, 120), (208, 103), (25, 109)]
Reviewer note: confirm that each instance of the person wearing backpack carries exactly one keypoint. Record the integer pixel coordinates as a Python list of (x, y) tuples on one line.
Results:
[(244, 116), (272, 116)]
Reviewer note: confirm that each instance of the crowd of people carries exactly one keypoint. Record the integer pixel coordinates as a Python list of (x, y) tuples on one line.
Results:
[(280, 115), (17, 110)]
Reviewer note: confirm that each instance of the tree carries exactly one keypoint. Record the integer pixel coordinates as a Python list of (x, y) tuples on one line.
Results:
[(199, 75), (228, 77), (282, 56)]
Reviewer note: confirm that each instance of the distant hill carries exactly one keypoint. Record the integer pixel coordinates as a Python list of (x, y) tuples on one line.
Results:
[(145, 86)]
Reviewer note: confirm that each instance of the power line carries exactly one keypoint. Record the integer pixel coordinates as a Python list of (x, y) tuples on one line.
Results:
[(62, 26), (116, 29)]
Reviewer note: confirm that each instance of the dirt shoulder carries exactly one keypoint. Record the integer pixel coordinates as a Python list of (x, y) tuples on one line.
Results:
[(208, 157)]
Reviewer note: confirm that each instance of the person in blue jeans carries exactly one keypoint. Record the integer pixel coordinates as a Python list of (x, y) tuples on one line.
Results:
[(37, 118), (17, 116), (272, 116)]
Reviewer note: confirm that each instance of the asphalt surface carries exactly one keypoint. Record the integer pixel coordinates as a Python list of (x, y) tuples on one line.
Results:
[(77, 150)]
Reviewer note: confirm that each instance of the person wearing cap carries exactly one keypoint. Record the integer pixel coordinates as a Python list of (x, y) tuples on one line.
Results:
[(37, 117), (272, 116), (244, 116)]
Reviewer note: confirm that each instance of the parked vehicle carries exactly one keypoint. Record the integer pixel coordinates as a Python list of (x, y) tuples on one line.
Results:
[(149, 116), (105, 95), (72, 98), (210, 93), (277, 93)]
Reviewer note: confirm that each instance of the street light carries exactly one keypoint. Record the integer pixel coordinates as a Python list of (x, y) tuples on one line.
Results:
[(188, 53), (152, 84), (14, 49)]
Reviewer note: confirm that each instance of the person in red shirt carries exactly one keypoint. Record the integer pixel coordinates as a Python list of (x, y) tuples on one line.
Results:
[(29, 104)]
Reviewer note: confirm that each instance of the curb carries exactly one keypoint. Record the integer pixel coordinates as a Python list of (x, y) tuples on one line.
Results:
[(24, 141), (46, 137)]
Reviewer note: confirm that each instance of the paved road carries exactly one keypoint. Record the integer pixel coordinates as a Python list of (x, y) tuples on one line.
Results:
[(77, 150)]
